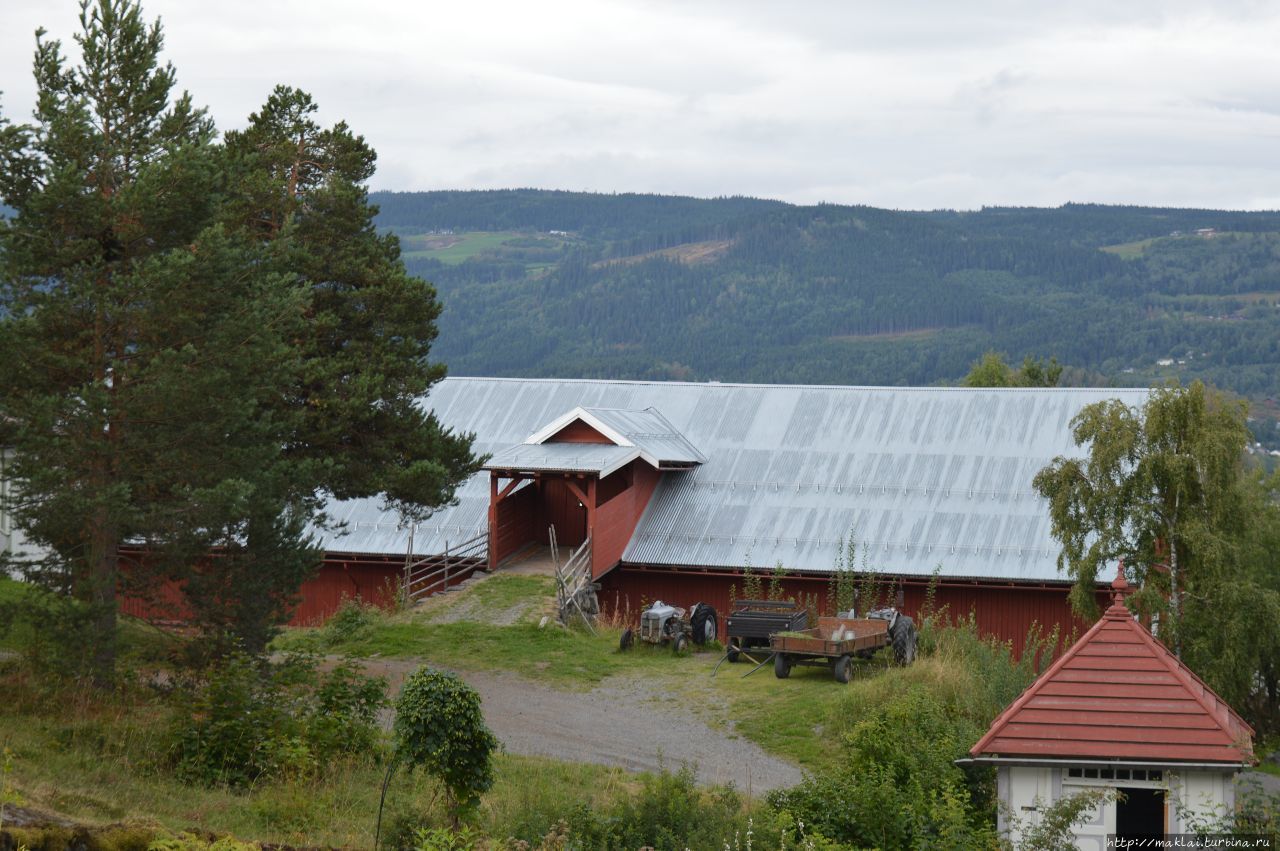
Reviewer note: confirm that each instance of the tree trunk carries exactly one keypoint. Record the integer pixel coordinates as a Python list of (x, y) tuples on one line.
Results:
[(103, 567)]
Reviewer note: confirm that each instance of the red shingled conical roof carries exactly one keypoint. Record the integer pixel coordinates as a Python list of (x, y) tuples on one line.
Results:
[(1118, 693)]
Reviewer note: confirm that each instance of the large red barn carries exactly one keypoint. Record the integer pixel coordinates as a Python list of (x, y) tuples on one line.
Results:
[(680, 487)]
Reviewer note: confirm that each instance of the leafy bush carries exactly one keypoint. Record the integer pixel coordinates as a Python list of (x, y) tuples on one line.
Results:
[(251, 720), (439, 728), (670, 813), (900, 733), (353, 620), (1053, 827), (444, 839), (900, 788)]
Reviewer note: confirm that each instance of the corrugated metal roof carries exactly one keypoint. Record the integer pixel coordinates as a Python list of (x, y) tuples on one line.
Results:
[(1118, 693), (601, 458), (651, 432), (920, 477)]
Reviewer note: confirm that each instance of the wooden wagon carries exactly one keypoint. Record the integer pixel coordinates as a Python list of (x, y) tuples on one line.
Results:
[(835, 642)]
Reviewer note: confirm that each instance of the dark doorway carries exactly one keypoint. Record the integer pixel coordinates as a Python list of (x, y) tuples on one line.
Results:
[(562, 509), (1140, 813)]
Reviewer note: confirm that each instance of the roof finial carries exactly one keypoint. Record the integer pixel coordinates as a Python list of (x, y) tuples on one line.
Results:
[(1119, 586)]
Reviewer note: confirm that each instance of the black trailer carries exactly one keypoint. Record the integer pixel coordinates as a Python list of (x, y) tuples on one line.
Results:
[(751, 623)]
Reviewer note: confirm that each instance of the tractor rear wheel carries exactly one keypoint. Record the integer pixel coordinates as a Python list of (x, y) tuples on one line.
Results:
[(903, 635), (781, 666), (843, 668), (627, 641), (704, 624)]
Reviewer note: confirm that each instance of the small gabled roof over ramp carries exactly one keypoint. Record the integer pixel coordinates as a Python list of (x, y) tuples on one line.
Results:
[(659, 442), (1119, 694), (599, 458)]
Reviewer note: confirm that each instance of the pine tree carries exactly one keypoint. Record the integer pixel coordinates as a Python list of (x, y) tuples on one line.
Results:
[(357, 428), (202, 341)]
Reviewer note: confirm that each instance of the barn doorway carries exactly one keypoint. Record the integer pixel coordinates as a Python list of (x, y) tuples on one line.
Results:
[(1140, 813), (562, 508)]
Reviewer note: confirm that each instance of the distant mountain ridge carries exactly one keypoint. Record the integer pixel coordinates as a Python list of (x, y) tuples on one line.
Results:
[(741, 289)]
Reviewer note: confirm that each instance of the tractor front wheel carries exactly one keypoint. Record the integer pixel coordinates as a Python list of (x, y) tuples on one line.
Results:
[(704, 623), (627, 641), (680, 644), (904, 637)]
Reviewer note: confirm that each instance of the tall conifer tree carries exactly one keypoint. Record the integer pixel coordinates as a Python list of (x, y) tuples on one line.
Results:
[(202, 342)]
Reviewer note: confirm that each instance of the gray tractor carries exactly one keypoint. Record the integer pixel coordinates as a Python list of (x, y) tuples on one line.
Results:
[(662, 624)]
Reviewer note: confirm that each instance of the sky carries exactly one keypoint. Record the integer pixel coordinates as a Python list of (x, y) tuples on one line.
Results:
[(908, 105)]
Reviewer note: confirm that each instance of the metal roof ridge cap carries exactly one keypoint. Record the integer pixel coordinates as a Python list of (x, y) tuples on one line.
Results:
[(895, 388)]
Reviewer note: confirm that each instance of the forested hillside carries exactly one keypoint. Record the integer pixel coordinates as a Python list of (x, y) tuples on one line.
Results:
[(736, 289)]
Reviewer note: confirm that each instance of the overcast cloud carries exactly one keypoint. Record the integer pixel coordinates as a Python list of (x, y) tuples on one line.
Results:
[(927, 105)]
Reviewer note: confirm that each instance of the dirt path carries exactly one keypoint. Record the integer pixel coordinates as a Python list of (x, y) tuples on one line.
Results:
[(618, 723)]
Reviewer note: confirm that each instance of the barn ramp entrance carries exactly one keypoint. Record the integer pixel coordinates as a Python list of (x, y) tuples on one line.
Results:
[(589, 474)]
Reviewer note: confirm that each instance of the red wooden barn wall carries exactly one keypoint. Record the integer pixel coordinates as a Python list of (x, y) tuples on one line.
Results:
[(167, 605), (1004, 611), (615, 521), (369, 579)]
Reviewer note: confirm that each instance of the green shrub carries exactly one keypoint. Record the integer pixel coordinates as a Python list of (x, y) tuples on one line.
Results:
[(671, 813), (899, 734), (251, 720), (445, 839), (439, 728), (900, 788), (353, 620)]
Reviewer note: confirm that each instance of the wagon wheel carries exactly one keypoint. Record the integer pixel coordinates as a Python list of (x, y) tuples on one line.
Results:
[(704, 624), (733, 651), (680, 644), (781, 666), (904, 637), (627, 641), (843, 668)]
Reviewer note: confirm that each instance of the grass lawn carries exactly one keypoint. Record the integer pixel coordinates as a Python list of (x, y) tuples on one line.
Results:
[(101, 766), (790, 718)]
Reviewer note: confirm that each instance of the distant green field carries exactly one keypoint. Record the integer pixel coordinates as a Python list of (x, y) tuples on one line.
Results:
[(1132, 250), (459, 247), (455, 248)]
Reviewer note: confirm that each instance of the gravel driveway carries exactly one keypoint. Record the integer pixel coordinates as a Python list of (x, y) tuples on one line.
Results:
[(616, 723)]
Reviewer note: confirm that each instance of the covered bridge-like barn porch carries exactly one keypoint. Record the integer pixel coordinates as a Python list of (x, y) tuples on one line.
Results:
[(589, 476)]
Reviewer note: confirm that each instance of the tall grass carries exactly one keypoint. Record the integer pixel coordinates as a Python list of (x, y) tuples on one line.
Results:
[(898, 735)]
